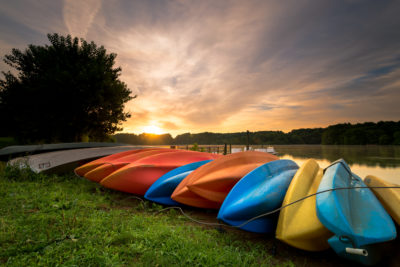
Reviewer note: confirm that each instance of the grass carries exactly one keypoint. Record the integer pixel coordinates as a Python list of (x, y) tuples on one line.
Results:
[(66, 220)]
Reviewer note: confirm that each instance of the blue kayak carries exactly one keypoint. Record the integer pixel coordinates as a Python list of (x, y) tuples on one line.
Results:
[(355, 216), (161, 190), (258, 192)]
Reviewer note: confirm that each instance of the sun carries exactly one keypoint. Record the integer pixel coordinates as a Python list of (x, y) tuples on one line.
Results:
[(152, 129)]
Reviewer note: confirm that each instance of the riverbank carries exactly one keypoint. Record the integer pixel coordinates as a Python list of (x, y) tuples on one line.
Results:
[(50, 220)]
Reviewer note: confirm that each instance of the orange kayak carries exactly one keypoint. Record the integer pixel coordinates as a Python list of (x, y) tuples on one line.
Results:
[(82, 170), (207, 186), (138, 176), (102, 171)]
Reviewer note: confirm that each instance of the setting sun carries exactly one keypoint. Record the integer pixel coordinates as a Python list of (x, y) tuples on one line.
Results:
[(153, 129)]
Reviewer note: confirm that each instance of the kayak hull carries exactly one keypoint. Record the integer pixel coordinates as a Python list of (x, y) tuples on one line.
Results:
[(161, 190), (137, 177), (207, 186), (260, 191), (389, 197), (110, 166), (355, 216), (298, 224), (82, 170)]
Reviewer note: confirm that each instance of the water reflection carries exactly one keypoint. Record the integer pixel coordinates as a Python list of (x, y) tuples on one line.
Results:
[(373, 156), (381, 161)]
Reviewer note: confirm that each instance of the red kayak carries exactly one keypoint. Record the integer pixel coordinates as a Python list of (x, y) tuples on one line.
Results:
[(82, 170), (138, 176), (108, 167)]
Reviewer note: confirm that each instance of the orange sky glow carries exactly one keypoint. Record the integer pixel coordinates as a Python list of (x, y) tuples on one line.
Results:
[(228, 66)]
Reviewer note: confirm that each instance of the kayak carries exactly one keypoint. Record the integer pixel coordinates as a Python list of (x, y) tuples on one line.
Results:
[(298, 224), (64, 160), (260, 191), (82, 170), (10, 152), (108, 167), (162, 189), (207, 186), (389, 197), (356, 218), (137, 177)]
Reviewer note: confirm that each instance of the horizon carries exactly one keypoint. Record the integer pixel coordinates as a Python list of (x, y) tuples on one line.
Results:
[(286, 132), (233, 66)]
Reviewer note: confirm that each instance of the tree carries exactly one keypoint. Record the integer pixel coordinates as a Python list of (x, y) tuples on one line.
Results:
[(62, 92)]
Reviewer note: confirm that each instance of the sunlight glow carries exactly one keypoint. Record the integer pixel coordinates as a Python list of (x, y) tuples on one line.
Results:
[(152, 129)]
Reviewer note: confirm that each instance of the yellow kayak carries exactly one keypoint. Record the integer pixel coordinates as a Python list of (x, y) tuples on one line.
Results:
[(298, 224), (389, 197)]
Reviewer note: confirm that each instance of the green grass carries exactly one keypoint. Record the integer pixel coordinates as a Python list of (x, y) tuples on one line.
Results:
[(66, 220)]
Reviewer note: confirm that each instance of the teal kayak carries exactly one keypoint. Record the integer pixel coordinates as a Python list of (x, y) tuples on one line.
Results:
[(353, 214)]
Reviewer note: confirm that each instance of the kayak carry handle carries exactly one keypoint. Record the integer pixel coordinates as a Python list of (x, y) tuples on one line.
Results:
[(357, 251)]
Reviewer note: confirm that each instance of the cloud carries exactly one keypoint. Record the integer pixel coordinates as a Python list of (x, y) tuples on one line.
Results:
[(27, 22), (79, 15), (167, 125), (237, 65)]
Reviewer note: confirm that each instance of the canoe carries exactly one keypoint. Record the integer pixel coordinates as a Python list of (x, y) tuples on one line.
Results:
[(64, 160), (298, 224), (359, 222), (389, 197), (10, 152), (137, 177), (162, 189), (82, 170), (108, 167), (260, 191), (208, 186)]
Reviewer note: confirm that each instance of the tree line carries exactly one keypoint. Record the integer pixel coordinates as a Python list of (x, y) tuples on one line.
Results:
[(369, 133)]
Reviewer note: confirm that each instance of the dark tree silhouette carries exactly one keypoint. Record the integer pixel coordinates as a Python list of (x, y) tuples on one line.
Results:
[(64, 91), (369, 133)]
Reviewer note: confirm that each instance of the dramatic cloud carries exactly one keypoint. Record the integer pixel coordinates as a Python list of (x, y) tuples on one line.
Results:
[(236, 65)]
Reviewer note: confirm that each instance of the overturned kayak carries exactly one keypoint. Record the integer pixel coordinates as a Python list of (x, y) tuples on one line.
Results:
[(298, 224), (108, 167), (260, 191), (64, 160), (208, 186), (137, 177), (389, 197), (10, 152), (83, 169), (162, 189), (359, 222)]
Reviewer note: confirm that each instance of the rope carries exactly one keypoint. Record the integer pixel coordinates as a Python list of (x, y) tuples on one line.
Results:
[(270, 212), (303, 198), (190, 218), (273, 211)]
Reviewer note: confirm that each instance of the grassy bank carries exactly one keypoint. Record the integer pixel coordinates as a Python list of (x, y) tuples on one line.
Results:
[(52, 220)]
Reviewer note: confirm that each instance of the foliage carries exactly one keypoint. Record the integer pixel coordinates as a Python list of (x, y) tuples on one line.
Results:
[(381, 133), (62, 92), (195, 147)]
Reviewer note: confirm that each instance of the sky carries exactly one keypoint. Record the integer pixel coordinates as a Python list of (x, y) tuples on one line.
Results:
[(230, 66)]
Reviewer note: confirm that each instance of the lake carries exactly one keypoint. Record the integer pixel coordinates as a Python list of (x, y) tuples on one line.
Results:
[(381, 161)]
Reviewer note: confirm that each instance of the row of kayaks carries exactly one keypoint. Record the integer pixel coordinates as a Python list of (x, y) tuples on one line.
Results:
[(306, 207)]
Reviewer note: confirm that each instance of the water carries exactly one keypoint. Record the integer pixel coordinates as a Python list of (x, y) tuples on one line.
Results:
[(381, 161)]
